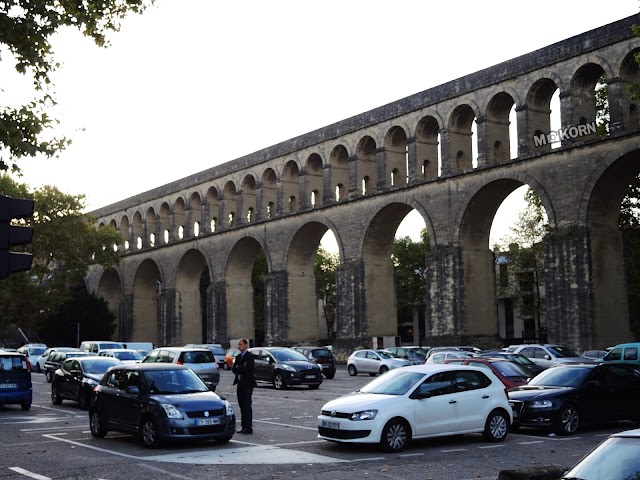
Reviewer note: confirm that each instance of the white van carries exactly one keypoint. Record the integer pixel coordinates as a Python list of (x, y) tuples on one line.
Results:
[(94, 346)]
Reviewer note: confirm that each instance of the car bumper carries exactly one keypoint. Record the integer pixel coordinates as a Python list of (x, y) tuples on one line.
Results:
[(348, 431), (186, 429), (16, 396), (302, 378), (543, 417)]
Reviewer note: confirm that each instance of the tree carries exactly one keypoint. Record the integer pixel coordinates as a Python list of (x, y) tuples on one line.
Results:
[(26, 28), (324, 266), (65, 243), (523, 254)]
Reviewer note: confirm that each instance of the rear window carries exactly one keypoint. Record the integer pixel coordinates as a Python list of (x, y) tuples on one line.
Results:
[(217, 350), (197, 357), (13, 363), (321, 353)]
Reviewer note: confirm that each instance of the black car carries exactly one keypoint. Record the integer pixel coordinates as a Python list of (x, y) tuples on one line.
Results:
[(284, 367), (564, 397), (15, 380), (77, 377), (521, 360), (159, 401), (55, 360), (322, 356)]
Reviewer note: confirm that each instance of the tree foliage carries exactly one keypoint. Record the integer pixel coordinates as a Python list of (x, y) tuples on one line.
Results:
[(65, 243), (325, 266), (409, 267), (26, 30)]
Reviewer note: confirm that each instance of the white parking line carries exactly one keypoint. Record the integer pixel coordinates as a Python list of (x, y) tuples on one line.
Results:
[(454, 450), (27, 473), (411, 455), (163, 472), (492, 446), (529, 443)]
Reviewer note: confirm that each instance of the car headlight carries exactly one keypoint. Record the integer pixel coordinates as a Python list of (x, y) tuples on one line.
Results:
[(171, 411), (288, 368), (364, 415), (228, 408), (90, 381), (541, 404)]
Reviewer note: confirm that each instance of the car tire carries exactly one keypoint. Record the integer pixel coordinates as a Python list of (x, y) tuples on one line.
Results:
[(56, 399), (224, 439), (48, 376), (278, 382), (396, 434), (353, 371), (25, 406), (330, 375), (84, 400), (496, 427), (38, 369), (149, 433), (314, 387), (97, 424), (373, 374), (567, 421), (384, 369)]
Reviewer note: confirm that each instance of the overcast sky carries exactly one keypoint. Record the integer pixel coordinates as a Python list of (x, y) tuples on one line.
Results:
[(195, 83)]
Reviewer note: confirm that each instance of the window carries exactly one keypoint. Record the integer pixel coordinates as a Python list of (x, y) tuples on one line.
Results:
[(469, 380), (631, 353), (615, 354), (361, 354), (115, 379), (438, 384)]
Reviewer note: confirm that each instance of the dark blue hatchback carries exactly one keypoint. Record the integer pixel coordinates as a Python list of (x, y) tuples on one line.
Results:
[(15, 380)]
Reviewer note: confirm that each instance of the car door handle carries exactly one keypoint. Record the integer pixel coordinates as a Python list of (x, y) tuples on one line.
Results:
[(452, 401), (485, 396)]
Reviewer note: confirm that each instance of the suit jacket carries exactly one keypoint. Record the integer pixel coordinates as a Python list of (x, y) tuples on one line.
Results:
[(243, 367)]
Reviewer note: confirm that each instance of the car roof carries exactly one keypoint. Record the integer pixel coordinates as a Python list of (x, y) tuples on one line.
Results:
[(438, 367), (183, 349), (270, 348), (93, 358), (635, 433), (311, 347), (630, 344), (153, 366)]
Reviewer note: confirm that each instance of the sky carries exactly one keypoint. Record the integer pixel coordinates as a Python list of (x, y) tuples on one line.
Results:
[(191, 84)]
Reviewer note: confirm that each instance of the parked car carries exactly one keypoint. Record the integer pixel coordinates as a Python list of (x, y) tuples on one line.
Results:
[(284, 367), (565, 397), (321, 356), (125, 355), (442, 355), (94, 346), (373, 362), (32, 351), (143, 347), (56, 359), (594, 354), (547, 354), (215, 348), (229, 357), (77, 377), (159, 401), (616, 458), (15, 380), (526, 363), (39, 366), (625, 352), (508, 372), (200, 360), (419, 401), (416, 355)]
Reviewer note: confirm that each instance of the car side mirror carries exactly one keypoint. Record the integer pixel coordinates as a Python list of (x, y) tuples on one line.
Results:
[(547, 357), (133, 390), (271, 360)]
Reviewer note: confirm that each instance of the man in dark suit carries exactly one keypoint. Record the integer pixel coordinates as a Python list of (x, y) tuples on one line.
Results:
[(243, 368)]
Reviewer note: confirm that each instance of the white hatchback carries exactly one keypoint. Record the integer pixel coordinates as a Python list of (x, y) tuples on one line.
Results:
[(419, 401), (373, 362)]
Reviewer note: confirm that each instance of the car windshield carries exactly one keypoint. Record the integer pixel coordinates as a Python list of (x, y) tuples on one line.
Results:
[(521, 359), (174, 382), (99, 365), (106, 346), (127, 355), (36, 351), (397, 383), (561, 352), (217, 350), (288, 355), (561, 377), (386, 355), (614, 459), (510, 369)]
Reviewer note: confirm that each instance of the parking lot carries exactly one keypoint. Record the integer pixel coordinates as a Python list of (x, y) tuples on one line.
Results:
[(54, 442)]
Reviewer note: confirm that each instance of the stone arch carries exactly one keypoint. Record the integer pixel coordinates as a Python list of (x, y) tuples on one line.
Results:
[(380, 304), (192, 282), (249, 198), (239, 289), (538, 114), (165, 223), (314, 180), (110, 288), (339, 163), (147, 285), (151, 225), (212, 199), (229, 204), (138, 235), (460, 135), (497, 128), (125, 232), (366, 166), (629, 73), (579, 106), (395, 158), (427, 143), (291, 187), (179, 219), (269, 193), (194, 225)]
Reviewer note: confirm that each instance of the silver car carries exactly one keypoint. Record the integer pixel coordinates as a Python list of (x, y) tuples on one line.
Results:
[(373, 362), (200, 360)]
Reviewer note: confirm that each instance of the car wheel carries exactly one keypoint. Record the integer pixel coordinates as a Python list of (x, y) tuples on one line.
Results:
[(352, 370), (278, 382), (149, 433), (224, 439), (496, 427), (25, 406), (330, 375), (48, 376), (38, 369), (395, 435), (373, 374), (313, 387), (567, 421), (384, 369), (225, 366), (84, 399), (55, 397), (97, 424)]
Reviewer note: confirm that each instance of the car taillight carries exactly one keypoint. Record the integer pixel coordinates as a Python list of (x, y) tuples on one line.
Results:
[(179, 362), (28, 365)]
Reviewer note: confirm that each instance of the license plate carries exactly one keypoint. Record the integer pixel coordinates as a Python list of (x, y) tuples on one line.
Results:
[(8, 385), (309, 377), (328, 424), (201, 422)]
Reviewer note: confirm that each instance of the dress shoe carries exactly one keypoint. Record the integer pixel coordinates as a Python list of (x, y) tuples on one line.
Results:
[(246, 430)]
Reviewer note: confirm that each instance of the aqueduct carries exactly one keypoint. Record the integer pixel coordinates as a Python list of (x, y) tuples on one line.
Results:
[(185, 269)]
